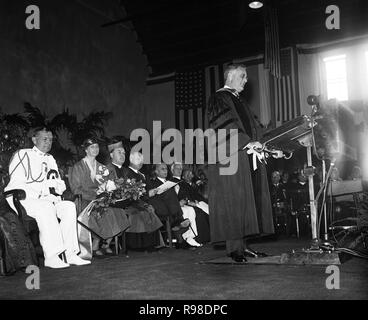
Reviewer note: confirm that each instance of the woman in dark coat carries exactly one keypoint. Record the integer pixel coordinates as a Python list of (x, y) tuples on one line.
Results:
[(239, 203)]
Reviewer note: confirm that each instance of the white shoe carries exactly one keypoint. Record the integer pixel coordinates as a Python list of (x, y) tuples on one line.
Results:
[(77, 261), (55, 263), (193, 243)]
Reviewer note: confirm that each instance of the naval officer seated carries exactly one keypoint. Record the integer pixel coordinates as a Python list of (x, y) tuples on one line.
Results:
[(30, 170)]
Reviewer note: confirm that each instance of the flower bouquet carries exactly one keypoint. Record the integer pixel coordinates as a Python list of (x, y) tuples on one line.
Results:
[(111, 192)]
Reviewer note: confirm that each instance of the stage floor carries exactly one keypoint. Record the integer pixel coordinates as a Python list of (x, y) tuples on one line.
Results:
[(181, 274)]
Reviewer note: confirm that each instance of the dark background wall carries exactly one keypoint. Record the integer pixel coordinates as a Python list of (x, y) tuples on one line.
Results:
[(71, 62)]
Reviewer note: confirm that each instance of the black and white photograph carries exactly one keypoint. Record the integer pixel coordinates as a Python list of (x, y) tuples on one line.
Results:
[(183, 156)]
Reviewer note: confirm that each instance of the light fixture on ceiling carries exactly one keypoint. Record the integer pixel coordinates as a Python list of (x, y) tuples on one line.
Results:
[(255, 4)]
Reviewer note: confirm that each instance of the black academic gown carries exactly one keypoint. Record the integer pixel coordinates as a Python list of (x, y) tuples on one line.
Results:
[(239, 204), (141, 215)]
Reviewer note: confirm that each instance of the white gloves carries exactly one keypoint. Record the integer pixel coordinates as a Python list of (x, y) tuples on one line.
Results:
[(259, 152), (277, 154), (254, 145), (255, 148), (57, 184), (51, 198)]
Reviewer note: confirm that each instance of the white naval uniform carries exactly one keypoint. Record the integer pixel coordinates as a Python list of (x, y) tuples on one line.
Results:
[(28, 170), (188, 213)]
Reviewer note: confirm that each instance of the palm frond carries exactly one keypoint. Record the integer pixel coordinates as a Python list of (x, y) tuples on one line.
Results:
[(64, 119), (97, 119), (33, 115), (15, 119)]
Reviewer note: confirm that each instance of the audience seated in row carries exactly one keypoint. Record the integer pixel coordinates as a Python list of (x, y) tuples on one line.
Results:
[(167, 204), (140, 219)]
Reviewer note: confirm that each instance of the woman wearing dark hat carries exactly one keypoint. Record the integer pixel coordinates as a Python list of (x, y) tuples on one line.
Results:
[(85, 178)]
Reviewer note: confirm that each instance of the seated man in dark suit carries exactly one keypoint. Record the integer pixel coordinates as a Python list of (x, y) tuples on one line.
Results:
[(279, 201), (193, 189), (189, 197), (167, 203), (299, 201)]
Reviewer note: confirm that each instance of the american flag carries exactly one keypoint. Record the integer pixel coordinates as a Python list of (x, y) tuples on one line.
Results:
[(190, 99), (190, 102), (285, 95), (272, 46), (192, 91)]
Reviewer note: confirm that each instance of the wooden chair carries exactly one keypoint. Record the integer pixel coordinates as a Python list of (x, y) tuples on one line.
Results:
[(167, 231), (120, 243)]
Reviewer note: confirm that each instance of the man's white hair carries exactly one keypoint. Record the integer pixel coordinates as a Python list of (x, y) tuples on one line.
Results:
[(175, 163), (136, 158), (231, 69)]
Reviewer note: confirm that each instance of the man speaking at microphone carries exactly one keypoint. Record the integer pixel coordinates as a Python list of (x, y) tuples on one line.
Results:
[(239, 203)]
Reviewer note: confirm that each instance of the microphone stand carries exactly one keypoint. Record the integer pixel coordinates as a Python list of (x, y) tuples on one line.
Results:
[(326, 243), (320, 253)]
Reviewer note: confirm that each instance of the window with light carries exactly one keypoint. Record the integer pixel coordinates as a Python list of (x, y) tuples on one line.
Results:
[(337, 86)]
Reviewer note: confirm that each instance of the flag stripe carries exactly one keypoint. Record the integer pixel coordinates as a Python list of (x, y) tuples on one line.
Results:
[(191, 119), (200, 119), (283, 93), (284, 99), (177, 118), (186, 119), (195, 117), (272, 48), (182, 125)]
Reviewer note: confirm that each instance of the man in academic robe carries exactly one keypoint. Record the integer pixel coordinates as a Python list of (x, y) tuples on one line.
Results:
[(239, 203)]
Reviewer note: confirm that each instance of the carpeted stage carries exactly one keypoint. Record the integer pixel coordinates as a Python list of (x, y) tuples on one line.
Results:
[(180, 274)]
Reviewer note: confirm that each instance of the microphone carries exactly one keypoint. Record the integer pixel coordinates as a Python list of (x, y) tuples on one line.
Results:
[(313, 100)]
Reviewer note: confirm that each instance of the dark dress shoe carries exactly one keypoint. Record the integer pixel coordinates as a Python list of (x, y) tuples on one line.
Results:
[(181, 245), (237, 257), (254, 254)]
